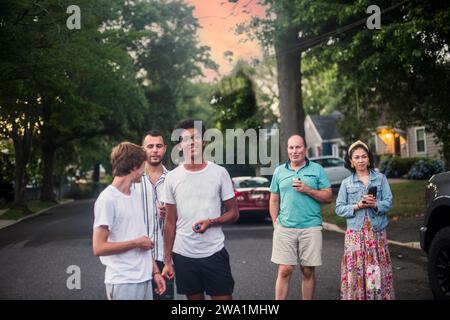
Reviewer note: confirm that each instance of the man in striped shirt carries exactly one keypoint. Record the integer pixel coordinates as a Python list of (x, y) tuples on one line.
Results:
[(152, 185)]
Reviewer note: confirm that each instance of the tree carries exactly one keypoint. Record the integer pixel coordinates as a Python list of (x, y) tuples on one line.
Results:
[(401, 71), (6, 170), (62, 85), (290, 27), (235, 101), (168, 55), (18, 119), (115, 77), (382, 70), (196, 104), (106, 100), (321, 91), (264, 76), (19, 99)]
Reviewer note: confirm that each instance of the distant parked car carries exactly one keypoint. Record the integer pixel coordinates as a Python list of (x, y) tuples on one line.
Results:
[(435, 234), (334, 168), (252, 195)]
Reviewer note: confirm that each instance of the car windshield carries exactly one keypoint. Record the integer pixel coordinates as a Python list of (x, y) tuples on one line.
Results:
[(330, 162), (252, 183)]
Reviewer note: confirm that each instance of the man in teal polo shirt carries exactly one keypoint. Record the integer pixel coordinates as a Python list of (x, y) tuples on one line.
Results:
[(298, 188)]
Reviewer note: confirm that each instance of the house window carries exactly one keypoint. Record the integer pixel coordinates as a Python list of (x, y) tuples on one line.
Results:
[(420, 140), (318, 151)]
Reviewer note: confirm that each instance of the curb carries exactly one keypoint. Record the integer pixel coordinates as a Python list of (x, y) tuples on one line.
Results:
[(411, 245), (13, 222)]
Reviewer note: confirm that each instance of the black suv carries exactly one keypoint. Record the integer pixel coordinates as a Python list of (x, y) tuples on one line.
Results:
[(435, 234)]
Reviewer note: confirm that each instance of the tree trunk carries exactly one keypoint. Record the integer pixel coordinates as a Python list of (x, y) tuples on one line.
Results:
[(96, 173), (22, 152), (48, 159), (292, 115), (19, 181)]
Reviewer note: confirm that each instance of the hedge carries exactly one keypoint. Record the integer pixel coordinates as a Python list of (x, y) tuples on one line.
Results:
[(411, 168)]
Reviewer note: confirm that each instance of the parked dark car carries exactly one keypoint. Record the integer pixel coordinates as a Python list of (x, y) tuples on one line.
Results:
[(435, 234), (252, 196)]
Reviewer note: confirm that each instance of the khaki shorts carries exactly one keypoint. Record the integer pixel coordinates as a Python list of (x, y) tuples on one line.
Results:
[(292, 246)]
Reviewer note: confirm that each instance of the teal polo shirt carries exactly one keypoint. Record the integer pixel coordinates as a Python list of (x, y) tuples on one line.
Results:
[(297, 210)]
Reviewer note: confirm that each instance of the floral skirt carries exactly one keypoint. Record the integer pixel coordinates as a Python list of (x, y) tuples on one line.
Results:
[(366, 268)]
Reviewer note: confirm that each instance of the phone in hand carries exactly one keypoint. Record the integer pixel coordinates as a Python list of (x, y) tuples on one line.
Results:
[(373, 191)]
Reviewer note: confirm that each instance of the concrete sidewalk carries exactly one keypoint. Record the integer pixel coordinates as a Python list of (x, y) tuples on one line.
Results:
[(5, 223)]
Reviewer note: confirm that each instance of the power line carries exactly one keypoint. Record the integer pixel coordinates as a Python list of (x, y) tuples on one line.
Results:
[(310, 42)]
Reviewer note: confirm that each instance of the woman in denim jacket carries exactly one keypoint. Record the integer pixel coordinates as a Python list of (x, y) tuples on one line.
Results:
[(366, 268)]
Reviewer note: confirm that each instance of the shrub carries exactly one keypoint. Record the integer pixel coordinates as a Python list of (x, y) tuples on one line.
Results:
[(425, 169), (396, 167)]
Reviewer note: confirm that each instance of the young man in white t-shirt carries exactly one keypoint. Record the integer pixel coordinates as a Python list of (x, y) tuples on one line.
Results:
[(194, 193), (119, 237)]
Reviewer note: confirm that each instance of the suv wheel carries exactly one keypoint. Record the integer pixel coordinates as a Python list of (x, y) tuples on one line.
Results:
[(439, 265)]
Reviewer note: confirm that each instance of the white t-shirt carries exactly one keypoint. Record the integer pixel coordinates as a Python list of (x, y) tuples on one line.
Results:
[(124, 216), (198, 195)]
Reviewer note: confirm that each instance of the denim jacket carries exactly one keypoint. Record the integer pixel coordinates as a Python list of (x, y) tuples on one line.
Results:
[(351, 191)]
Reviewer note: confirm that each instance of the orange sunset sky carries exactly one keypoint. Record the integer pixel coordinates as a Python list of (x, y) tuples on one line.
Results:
[(218, 19)]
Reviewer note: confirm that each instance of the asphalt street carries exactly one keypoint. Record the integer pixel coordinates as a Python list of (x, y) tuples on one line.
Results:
[(35, 255)]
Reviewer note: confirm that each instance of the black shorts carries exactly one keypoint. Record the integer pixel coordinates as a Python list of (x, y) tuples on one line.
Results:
[(198, 275)]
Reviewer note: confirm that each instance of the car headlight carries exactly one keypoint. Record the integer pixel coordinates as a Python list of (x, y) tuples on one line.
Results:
[(430, 193)]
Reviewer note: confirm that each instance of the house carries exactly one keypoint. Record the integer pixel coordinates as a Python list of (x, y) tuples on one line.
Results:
[(323, 139), (410, 143), (322, 136)]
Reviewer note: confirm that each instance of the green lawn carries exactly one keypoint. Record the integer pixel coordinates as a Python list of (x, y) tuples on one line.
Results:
[(409, 201), (4, 206), (34, 206)]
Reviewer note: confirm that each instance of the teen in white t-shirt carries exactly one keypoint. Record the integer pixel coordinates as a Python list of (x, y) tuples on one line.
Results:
[(119, 236), (194, 194), (198, 195), (124, 217)]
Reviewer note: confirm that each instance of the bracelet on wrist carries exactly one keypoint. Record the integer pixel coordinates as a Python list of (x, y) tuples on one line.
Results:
[(157, 272)]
